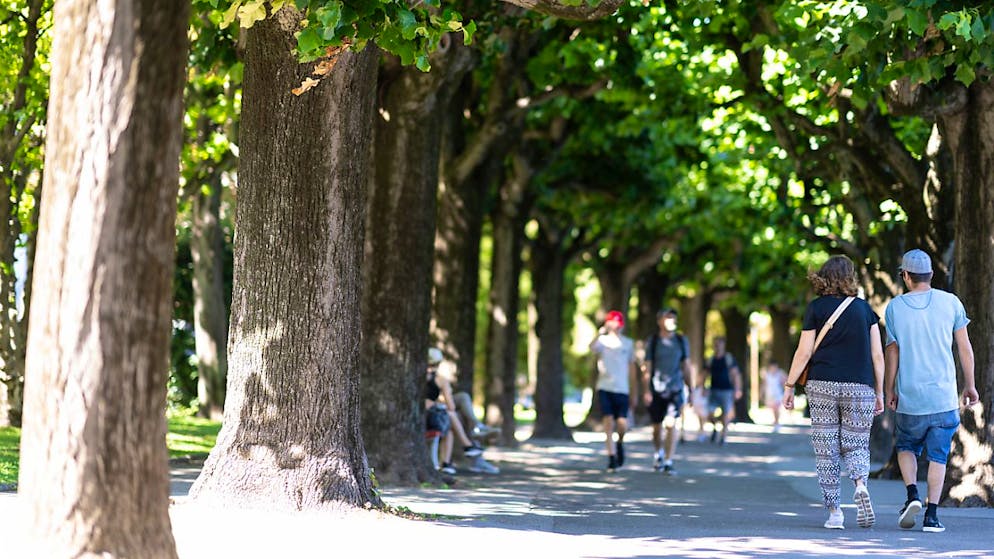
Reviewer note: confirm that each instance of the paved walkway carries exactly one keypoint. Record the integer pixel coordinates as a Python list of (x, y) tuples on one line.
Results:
[(756, 496)]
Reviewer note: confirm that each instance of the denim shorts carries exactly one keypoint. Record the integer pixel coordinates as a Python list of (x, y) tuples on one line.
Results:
[(722, 398), (614, 404), (934, 431)]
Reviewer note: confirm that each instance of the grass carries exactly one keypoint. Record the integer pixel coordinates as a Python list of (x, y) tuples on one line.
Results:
[(188, 437)]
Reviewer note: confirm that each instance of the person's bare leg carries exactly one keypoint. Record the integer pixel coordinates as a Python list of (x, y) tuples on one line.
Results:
[(657, 442), (446, 448), (936, 476), (607, 422), (622, 428), (908, 463), (458, 429), (670, 439)]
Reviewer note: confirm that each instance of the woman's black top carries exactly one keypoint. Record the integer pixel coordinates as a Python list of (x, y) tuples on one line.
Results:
[(844, 353)]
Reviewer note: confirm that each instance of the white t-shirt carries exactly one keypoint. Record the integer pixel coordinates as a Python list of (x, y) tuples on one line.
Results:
[(615, 355)]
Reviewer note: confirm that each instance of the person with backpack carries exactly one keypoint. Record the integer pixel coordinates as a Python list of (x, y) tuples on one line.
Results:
[(666, 370), (726, 387)]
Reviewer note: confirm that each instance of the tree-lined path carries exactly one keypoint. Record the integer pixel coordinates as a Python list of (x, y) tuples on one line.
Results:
[(753, 497)]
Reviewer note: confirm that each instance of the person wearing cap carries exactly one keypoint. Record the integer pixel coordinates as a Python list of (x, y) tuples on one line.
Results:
[(615, 377), (443, 418), (844, 386), (920, 382), (665, 372)]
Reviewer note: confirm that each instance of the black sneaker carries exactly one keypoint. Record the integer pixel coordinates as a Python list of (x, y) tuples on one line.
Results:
[(931, 524), (612, 463), (906, 519), (657, 463), (473, 450), (668, 470), (621, 454), (714, 435)]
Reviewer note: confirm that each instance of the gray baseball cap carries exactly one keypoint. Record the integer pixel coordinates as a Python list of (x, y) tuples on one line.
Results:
[(916, 262)]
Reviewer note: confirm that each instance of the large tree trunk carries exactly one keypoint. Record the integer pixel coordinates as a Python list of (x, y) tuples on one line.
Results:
[(291, 438), (737, 343), (548, 268), (616, 287), (210, 310), (970, 133), (400, 234), (693, 321), (502, 333), (652, 287), (94, 468)]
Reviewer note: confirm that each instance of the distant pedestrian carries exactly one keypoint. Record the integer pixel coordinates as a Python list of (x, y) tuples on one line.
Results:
[(725, 387), (773, 389), (845, 384), (921, 381), (615, 376), (666, 370)]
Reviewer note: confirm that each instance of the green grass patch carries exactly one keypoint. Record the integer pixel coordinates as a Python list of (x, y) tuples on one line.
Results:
[(188, 437), (10, 442)]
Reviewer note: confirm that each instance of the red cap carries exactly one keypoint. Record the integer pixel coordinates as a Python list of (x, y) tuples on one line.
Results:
[(616, 316)]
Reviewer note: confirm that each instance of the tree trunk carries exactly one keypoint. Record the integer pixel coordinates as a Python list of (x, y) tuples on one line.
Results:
[(693, 318), (502, 333), (400, 234), (970, 133), (652, 287), (14, 134), (737, 343), (210, 311), (548, 268), (291, 438), (94, 468), (783, 341), (616, 289)]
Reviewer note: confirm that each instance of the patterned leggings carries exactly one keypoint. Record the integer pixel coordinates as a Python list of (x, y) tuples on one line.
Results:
[(841, 416)]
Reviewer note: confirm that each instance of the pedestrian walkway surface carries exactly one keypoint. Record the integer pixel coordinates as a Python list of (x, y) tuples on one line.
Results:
[(755, 496)]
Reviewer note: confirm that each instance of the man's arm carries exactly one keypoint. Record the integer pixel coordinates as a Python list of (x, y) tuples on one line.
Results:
[(892, 356), (688, 373), (737, 381), (966, 361)]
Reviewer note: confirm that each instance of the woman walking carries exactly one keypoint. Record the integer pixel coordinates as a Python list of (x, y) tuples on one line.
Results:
[(840, 340)]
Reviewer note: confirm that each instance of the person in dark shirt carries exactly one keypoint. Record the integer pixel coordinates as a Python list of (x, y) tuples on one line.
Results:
[(726, 387), (844, 387)]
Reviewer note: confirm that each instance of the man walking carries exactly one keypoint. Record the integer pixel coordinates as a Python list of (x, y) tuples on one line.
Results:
[(615, 375), (726, 387), (666, 370), (921, 380)]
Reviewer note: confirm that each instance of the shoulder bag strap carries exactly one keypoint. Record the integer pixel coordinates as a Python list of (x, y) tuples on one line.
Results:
[(831, 322)]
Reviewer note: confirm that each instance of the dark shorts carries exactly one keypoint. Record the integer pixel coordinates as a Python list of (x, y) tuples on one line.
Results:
[(665, 405), (722, 398), (614, 404), (934, 431)]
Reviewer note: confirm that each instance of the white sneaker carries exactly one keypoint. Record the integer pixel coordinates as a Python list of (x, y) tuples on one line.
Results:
[(836, 520), (864, 508), (484, 467)]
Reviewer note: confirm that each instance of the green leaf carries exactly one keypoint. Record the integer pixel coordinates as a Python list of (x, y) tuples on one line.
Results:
[(422, 62), (917, 22), (229, 15), (467, 32), (963, 28), (978, 30), (408, 24), (965, 74), (308, 41), (947, 21)]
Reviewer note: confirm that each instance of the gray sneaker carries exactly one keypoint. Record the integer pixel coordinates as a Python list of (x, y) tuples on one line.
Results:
[(483, 467)]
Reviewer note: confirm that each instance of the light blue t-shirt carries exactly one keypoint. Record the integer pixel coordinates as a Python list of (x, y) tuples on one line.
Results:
[(922, 324)]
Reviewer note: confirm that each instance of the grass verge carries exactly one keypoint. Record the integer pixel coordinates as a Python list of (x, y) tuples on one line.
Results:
[(188, 437)]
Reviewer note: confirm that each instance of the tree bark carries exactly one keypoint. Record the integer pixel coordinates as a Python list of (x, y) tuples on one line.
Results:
[(548, 268), (94, 468), (693, 317), (400, 234), (502, 333), (783, 345), (291, 438), (737, 343), (970, 133), (570, 10), (210, 310)]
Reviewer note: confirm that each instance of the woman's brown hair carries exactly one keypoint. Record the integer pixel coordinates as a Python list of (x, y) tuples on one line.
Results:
[(836, 277)]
